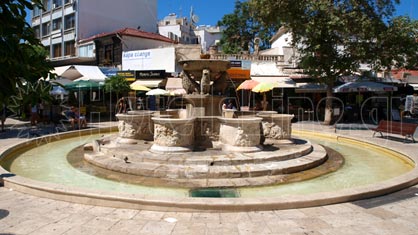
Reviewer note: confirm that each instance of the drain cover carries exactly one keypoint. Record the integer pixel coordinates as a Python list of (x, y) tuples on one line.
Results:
[(214, 192)]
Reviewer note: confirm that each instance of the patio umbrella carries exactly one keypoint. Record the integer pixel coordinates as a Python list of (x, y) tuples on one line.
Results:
[(365, 86), (136, 86), (263, 87), (248, 85), (58, 90), (157, 91), (82, 85)]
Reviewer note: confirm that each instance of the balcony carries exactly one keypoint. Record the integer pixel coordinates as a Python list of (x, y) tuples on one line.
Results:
[(252, 57)]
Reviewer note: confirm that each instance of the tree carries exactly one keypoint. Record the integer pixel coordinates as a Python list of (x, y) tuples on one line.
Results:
[(334, 37), (117, 84), (32, 93), (23, 58), (242, 27)]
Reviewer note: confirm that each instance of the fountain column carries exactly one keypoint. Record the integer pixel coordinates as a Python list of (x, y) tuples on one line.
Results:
[(173, 135), (240, 134), (134, 127), (277, 126)]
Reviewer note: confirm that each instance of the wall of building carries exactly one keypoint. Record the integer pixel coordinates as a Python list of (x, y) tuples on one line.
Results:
[(134, 43), (152, 59), (207, 38), (284, 41), (265, 68), (98, 16)]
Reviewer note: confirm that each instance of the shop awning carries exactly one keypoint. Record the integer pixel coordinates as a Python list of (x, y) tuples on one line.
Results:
[(151, 83), (84, 72), (279, 82), (310, 88), (174, 84), (415, 86)]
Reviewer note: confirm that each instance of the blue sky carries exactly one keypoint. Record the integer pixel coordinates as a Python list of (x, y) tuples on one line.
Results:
[(210, 12)]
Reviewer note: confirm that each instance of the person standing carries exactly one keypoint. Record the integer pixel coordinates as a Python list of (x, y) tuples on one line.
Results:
[(34, 117)]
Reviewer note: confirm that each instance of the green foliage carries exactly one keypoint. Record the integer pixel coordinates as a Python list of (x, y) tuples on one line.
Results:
[(117, 84), (29, 94), (334, 37), (23, 58), (242, 27)]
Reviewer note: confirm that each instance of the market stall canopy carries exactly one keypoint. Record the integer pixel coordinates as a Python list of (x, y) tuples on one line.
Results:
[(278, 82), (84, 72), (82, 85), (61, 81), (364, 86)]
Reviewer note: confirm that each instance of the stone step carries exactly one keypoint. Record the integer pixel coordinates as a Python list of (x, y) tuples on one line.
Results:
[(317, 156), (213, 157)]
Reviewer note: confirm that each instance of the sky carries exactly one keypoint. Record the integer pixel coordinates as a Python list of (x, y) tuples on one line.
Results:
[(211, 11)]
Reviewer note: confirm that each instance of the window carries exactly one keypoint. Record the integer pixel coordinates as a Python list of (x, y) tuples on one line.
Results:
[(37, 31), (57, 3), (46, 29), (56, 49), (56, 24), (69, 21), (47, 5), (36, 11), (70, 48), (108, 53), (67, 1)]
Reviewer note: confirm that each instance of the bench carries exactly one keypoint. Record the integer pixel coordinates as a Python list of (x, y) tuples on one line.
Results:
[(400, 128)]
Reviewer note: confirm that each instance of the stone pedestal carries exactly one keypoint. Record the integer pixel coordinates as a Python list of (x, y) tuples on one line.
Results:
[(240, 134), (134, 127), (277, 126), (173, 135), (204, 105)]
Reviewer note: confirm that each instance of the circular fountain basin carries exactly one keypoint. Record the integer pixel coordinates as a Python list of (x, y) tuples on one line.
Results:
[(43, 170)]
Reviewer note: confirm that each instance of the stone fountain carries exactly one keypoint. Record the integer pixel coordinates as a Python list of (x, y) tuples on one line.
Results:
[(204, 149)]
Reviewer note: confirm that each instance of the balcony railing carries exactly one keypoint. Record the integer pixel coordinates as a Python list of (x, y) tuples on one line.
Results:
[(274, 58)]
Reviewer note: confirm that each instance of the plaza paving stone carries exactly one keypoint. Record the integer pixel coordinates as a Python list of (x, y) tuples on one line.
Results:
[(396, 213)]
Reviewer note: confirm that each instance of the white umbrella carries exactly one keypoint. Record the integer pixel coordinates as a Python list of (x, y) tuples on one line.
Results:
[(58, 90), (157, 91)]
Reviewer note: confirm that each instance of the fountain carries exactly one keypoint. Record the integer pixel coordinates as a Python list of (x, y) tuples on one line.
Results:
[(204, 149), (171, 157)]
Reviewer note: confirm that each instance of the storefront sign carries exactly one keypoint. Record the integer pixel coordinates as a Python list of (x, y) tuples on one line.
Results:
[(128, 75), (240, 69), (150, 74)]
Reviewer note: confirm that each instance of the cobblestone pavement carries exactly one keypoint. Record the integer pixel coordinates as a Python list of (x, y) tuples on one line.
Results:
[(391, 214)]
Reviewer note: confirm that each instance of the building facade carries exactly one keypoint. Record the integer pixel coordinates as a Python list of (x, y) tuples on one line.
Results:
[(63, 23), (107, 48), (184, 31)]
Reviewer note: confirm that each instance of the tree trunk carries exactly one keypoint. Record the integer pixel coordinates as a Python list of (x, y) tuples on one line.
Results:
[(328, 105)]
